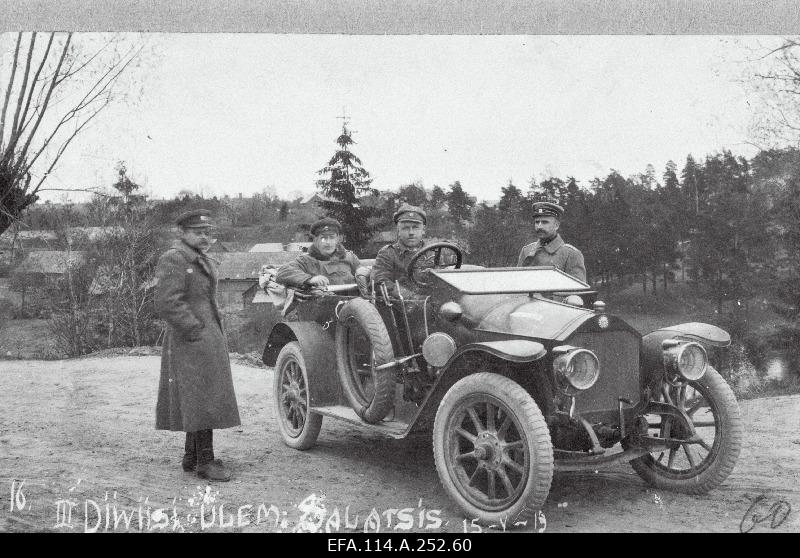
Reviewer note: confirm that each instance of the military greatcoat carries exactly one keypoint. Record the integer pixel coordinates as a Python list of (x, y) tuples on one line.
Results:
[(557, 253), (195, 391)]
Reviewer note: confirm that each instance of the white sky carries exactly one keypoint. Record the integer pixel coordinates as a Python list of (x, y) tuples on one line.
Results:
[(233, 113)]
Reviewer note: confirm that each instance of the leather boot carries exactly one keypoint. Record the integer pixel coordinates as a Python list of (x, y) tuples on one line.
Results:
[(208, 467), (189, 461)]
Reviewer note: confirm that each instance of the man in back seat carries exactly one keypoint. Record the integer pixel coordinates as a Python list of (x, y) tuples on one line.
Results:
[(326, 262)]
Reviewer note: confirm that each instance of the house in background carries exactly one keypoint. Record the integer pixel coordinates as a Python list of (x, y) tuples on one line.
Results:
[(238, 275), (232, 246), (267, 247), (41, 267), (49, 264), (298, 246)]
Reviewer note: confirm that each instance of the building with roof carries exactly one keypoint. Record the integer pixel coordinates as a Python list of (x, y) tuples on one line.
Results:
[(267, 247), (238, 273), (50, 263), (230, 246), (298, 246)]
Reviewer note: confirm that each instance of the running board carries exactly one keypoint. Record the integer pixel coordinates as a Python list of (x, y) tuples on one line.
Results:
[(580, 461), (392, 428)]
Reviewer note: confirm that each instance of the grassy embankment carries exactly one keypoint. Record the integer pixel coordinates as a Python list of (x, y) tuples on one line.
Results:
[(750, 368)]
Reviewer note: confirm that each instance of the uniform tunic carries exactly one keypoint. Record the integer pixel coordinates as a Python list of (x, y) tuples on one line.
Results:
[(391, 265), (557, 253), (339, 268), (196, 388)]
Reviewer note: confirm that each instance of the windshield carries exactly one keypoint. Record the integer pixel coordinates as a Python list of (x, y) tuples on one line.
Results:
[(510, 280)]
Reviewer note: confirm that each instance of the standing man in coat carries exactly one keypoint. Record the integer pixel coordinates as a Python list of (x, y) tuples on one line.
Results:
[(550, 248), (195, 393)]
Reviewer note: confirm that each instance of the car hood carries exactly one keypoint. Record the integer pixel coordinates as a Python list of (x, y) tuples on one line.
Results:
[(521, 315)]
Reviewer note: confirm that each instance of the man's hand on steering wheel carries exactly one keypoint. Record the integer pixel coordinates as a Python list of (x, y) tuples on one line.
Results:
[(434, 256)]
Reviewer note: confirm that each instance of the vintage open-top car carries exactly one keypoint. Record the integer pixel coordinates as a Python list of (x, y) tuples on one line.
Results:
[(517, 372)]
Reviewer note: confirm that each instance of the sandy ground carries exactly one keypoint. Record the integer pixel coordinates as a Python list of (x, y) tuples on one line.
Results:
[(77, 436)]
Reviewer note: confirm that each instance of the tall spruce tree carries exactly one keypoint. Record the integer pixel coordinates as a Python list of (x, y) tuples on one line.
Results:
[(346, 183)]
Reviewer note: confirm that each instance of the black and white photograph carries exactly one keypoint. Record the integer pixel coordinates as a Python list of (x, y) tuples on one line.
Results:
[(409, 269)]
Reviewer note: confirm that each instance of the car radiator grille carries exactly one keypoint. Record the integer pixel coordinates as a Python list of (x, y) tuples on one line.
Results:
[(618, 352)]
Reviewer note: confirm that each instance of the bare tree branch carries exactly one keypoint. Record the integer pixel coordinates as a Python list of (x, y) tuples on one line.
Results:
[(12, 143), (34, 82), (22, 156), (10, 87)]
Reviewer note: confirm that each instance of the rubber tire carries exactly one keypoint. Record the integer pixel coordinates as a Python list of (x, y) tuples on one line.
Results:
[(307, 437), (371, 323), (528, 416), (730, 433)]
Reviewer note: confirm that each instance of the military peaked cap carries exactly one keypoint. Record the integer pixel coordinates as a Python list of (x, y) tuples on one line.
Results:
[(410, 213), (326, 225), (547, 209), (195, 219)]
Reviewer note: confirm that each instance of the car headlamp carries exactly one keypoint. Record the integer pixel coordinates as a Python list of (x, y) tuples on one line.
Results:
[(687, 360), (576, 369)]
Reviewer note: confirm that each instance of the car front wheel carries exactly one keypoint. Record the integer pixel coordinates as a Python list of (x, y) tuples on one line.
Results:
[(699, 463), (492, 449), (299, 426)]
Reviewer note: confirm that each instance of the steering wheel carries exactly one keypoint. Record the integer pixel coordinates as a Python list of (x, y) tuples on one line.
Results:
[(434, 256)]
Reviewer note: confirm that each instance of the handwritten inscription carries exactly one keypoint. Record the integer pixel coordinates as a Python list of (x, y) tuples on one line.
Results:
[(17, 501), (767, 512)]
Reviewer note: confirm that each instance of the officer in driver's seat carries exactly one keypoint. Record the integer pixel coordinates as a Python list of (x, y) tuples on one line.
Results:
[(392, 260), (327, 262)]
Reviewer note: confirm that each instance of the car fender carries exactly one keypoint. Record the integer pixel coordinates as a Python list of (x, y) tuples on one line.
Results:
[(513, 350), (652, 355), (317, 346), (510, 350)]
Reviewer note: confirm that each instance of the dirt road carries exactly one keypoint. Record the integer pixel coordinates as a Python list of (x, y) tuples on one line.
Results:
[(77, 436)]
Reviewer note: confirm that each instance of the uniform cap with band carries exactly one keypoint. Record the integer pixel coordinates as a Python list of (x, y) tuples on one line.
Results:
[(326, 225), (547, 209), (195, 219), (410, 213)]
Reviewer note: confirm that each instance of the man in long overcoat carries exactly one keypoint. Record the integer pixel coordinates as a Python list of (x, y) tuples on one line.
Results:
[(195, 393)]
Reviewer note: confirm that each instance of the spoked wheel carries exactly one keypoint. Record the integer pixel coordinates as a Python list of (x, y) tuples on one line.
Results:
[(699, 463), (299, 426), (362, 345), (492, 449)]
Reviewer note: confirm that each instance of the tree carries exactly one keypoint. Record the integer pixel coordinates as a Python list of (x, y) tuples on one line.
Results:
[(459, 204), (438, 198), (284, 211), (512, 200), (346, 182), (54, 88), (507, 235), (729, 243), (413, 194), (777, 84)]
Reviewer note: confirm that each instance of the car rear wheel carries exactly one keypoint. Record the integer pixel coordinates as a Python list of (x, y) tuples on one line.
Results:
[(492, 449), (704, 461), (362, 344), (299, 426)]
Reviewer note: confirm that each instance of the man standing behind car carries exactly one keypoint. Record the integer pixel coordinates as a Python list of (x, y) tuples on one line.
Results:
[(195, 392), (392, 261), (326, 262), (550, 248)]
